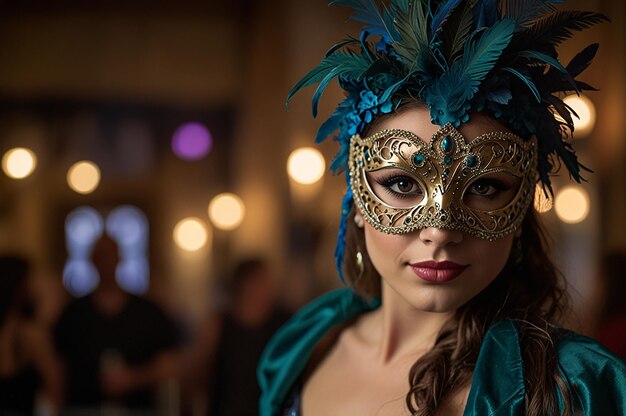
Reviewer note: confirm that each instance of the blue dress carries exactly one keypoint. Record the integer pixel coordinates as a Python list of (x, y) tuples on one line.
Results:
[(598, 376)]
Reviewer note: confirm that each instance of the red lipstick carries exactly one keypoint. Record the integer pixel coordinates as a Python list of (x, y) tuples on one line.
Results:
[(438, 272)]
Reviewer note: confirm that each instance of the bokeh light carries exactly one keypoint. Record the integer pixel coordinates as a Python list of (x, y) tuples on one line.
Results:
[(83, 226), (192, 141), (543, 203), (80, 277), (83, 177), (583, 106), (19, 163), (306, 165), (572, 204), (190, 234), (133, 274), (226, 211), (128, 225)]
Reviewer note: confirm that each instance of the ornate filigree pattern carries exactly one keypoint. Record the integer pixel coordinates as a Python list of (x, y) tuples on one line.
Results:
[(444, 169)]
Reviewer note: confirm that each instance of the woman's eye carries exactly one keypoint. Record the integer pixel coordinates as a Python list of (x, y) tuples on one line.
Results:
[(483, 188), (487, 187), (401, 185)]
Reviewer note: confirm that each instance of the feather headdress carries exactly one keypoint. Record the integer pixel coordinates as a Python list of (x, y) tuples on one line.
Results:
[(457, 57)]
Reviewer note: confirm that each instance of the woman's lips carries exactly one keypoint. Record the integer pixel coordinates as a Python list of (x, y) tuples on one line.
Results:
[(438, 272)]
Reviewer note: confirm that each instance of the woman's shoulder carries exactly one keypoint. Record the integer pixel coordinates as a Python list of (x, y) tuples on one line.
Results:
[(288, 352), (575, 352)]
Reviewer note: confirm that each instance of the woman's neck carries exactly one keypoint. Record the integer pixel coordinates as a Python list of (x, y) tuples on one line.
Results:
[(398, 330)]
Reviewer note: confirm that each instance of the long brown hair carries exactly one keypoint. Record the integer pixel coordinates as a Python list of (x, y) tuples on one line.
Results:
[(528, 290)]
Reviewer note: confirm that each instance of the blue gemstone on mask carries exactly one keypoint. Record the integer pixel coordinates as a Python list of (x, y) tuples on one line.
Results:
[(447, 160), (419, 159), (470, 161), (446, 144)]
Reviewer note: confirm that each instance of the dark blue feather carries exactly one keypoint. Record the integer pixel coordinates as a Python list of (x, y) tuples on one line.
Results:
[(442, 15), (500, 96), (486, 13), (546, 59), (582, 60), (367, 11), (527, 81), (340, 249)]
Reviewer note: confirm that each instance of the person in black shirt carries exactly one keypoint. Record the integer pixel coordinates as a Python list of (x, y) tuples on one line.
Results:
[(117, 347)]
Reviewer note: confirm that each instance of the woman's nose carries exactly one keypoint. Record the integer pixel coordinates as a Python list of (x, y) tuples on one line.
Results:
[(440, 237)]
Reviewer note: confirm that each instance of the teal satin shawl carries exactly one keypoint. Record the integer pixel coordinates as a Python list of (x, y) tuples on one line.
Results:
[(597, 376)]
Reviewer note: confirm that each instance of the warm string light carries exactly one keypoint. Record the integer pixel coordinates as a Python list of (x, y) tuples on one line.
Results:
[(306, 165), (83, 177), (572, 204), (226, 211), (19, 163), (190, 234)]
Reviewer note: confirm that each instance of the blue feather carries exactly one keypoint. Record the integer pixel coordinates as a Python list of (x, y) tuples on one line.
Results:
[(442, 15), (500, 97), (480, 56), (527, 81), (486, 13), (367, 11), (332, 124), (322, 86), (341, 63), (547, 59), (582, 60), (340, 249)]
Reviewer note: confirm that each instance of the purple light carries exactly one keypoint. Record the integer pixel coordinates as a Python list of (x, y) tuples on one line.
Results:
[(192, 141)]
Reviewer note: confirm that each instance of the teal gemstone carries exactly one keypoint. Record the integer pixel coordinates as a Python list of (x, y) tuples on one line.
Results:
[(446, 144), (447, 160), (419, 159), (367, 153), (470, 161)]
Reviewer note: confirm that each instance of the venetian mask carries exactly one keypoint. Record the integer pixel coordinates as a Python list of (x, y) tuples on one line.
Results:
[(482, 186)]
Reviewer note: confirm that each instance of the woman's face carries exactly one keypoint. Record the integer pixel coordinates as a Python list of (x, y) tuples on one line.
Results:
[(432, 269)]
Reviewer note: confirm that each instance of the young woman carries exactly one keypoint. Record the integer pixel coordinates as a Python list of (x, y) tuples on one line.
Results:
[(453, 305)]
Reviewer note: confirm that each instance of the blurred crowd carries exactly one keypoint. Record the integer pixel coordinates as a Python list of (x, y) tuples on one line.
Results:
[(114, 353)]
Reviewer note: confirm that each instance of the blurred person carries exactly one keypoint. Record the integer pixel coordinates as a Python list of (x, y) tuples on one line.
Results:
[(231, 341), (117, 347), (611, 329), (27, 360)]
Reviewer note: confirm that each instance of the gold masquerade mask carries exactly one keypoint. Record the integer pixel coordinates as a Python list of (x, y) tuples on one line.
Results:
[(484, 187)]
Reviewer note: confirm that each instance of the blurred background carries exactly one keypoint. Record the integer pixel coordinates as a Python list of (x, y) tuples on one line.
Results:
[(164, 123)]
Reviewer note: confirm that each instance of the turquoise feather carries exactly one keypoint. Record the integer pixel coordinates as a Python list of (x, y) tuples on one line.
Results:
[(527, 81), (367, 11)]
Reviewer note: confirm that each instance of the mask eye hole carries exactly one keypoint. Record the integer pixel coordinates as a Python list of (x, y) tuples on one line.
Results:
[(395, 187), (492, 191)]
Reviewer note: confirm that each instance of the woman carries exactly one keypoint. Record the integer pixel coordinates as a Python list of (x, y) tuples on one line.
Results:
[(448, 123)]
